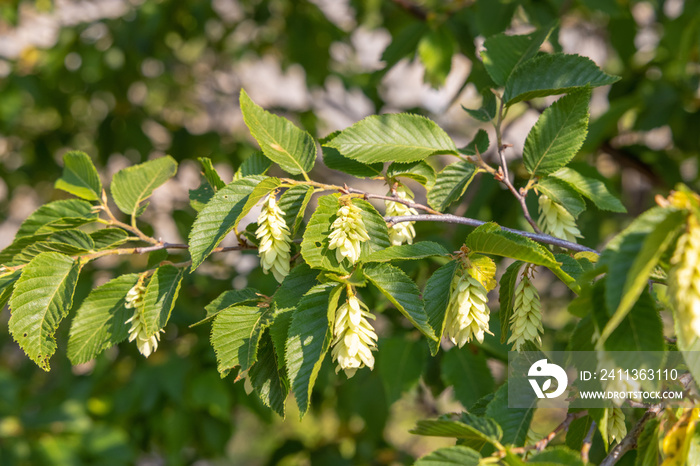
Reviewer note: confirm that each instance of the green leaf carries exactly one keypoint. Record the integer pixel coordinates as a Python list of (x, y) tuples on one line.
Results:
[(559, 455), (400, 364), (398, 137), (451, 184), (376, 229), (210, 173), (293, 203), (515, 422), (591, 188), (108, 238), (235, 336), (57, 215), (558, 134), (478, 430), (218, 217), (7, 286), (436, 297), (416, 251), (402, 292), (456, 455), (562, 193), (42, 298), (261, 190), (631, 260), (418, 171), (335, 161), (255, 164), (487, 112), (80, 177), (133, 185), (200, 196), (479, 144), (467, 373), (490, 239), (314, 246), (159, 299), (227, 299), (291, 148), (100, 321), (504, 52), (266, 377), (553, 74), (404, 43), (648, 445), (506, 295), (435, 50), (308, 342), (68, 242)]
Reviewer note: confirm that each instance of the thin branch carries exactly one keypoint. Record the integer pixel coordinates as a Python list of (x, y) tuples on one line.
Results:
[(542, 444), (412, 8), (587, 442), (630, 441), (406, 202), (447, 218)]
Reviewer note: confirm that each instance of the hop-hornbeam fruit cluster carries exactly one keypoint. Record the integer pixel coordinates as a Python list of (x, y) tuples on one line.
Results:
[(684, 280), (145, 342), (615, 384), (467, 312), (555, 220), (616, 428), (401, 232), (526, 321), (348, 232), (275, 239), (353, 336)]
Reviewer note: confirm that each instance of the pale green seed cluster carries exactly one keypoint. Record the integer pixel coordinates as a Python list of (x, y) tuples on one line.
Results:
[(275, 239), (526, 321), (555, 220), (684, 280), (615, 384), (348, 232), (467, 313), (146, 344), (403, 232), (616, 424), (353, 337)]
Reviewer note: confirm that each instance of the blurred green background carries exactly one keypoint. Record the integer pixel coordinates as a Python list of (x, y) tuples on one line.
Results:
[(128, 80)]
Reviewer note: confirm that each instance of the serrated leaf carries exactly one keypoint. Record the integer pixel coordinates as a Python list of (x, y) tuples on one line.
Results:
[(200, 196), (416, 251), (435, 50), (308, 342), (293, 203), (553, 74), (255, 164), (376, 229), (7, 286), (57, 215), (487, 111), (631, 260), (235, 336), (402, 292), (160, 296), (218, 217), (505, 297), (478, 145), (291, 148), (108, 238), (515, 422), (210, 174), (490, 239), (314, 246), (404, 43), (80, 176), (457, 455), (419, 171), (591, 188), (398, 137), (266, 377), (133, 185), (558, 134), (505, 52), (399, 364), (467, 373), (229, 298), (648, 445), (100, 321), (68, 242), (479, 430), (12, 254), (336, 161), (559, 455), (436, 297), (42, 297), (451, 184), (261, 190), (562, 193)]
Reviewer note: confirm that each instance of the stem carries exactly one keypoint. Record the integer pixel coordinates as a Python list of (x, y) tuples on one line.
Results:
[(587, 442), (563, 427), (630, 441), (447, 218), (406, 202), (130, 228)]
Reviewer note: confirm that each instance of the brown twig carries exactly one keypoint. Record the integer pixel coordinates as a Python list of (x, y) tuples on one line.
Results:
[(406, 202), (587, 442), (630, 441)]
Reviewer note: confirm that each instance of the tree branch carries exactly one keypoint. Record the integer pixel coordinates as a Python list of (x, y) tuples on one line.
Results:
[(630, 441), (587, 442), (447, 218)]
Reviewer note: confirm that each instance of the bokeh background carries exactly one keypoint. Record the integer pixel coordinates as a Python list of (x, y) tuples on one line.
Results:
[(129, 80)]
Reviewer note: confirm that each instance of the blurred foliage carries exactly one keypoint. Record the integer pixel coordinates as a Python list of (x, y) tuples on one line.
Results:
[(163, 78)]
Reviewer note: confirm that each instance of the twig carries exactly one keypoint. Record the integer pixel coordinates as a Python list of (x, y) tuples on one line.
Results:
[(406, 202), (412, 8), (563, 427), (587, 442), (630, 441), (447, 218)]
